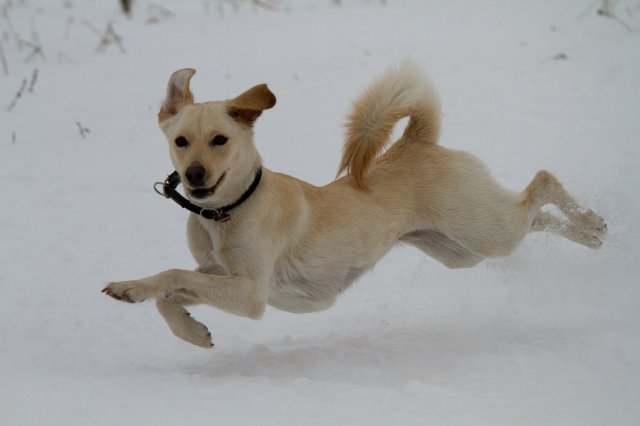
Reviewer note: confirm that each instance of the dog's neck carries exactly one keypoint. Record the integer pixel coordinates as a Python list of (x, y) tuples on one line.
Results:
[(238, 194), (233, 189)]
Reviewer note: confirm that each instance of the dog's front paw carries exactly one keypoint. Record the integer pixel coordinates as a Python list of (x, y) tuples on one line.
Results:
[(192, 331), (182, 324), (128, 291)]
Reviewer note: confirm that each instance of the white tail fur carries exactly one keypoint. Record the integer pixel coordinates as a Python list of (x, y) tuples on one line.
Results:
[(402, 91)]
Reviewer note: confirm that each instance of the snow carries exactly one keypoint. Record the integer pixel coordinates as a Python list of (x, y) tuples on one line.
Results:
[(548, 335)]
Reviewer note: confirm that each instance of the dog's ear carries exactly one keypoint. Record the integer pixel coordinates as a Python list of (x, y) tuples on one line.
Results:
[(247, 107), (178, 93)]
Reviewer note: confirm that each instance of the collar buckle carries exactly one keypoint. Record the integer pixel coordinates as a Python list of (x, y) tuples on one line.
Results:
[(163, 191), (168, 186)]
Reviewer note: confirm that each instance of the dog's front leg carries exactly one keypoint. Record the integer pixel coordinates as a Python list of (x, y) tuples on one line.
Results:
[(182, 324), (244, 294)]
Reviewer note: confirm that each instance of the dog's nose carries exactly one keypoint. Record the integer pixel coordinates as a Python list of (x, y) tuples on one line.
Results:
[(195, 175)]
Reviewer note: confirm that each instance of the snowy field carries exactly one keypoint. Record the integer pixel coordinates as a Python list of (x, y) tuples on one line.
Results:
[(547, 336)]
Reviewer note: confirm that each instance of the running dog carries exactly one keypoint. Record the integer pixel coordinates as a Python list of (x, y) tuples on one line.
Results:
[(261, 237)]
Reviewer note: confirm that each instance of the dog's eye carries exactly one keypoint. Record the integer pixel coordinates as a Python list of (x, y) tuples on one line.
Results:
[(219, 140), (181, 141)]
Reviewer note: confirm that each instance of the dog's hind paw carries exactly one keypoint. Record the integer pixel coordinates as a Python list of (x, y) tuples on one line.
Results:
[(589, 240), (588, 237), (127, 291), (591, 223)]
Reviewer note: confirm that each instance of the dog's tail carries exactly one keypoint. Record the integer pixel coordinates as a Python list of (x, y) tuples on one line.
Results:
[(402, 91)]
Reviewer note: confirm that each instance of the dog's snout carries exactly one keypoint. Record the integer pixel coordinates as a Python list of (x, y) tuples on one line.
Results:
[(195, 175)]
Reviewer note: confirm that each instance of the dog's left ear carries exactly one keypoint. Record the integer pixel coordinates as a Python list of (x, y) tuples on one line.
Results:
[(247, 107), (178, 93)]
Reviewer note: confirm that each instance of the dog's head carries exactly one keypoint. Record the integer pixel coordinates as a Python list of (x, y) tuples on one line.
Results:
[(211, 144)]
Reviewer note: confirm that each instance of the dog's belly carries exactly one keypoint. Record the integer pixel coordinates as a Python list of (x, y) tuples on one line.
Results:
[(297, 291)]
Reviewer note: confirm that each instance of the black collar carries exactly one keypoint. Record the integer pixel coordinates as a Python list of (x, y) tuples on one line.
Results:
[(219, 215)]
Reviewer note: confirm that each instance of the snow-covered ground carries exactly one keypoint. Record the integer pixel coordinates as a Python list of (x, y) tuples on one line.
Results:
[(549, 335)]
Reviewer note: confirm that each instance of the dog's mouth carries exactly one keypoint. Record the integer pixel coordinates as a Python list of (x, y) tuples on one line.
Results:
[(201, 193)]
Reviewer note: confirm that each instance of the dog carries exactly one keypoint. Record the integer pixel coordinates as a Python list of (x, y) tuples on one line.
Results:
[(295, 246)]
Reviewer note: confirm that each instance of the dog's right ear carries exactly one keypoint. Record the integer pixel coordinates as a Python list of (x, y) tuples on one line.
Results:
[(178, 93), (247, 107)]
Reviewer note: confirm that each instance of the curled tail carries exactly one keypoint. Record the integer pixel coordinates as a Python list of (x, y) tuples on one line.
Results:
[(402, 91)]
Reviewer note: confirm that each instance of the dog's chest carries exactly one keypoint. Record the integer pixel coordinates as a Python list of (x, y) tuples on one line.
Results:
[(217, 236)]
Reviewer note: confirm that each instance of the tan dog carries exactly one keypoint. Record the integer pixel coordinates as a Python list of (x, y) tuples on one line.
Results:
[(295, 246)]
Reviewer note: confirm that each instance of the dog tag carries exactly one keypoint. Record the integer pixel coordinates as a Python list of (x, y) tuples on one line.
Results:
[(222, 217)]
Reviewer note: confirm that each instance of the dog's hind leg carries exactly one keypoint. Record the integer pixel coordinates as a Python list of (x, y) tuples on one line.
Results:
[(585, 226), (441, 248), (545, 221)]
